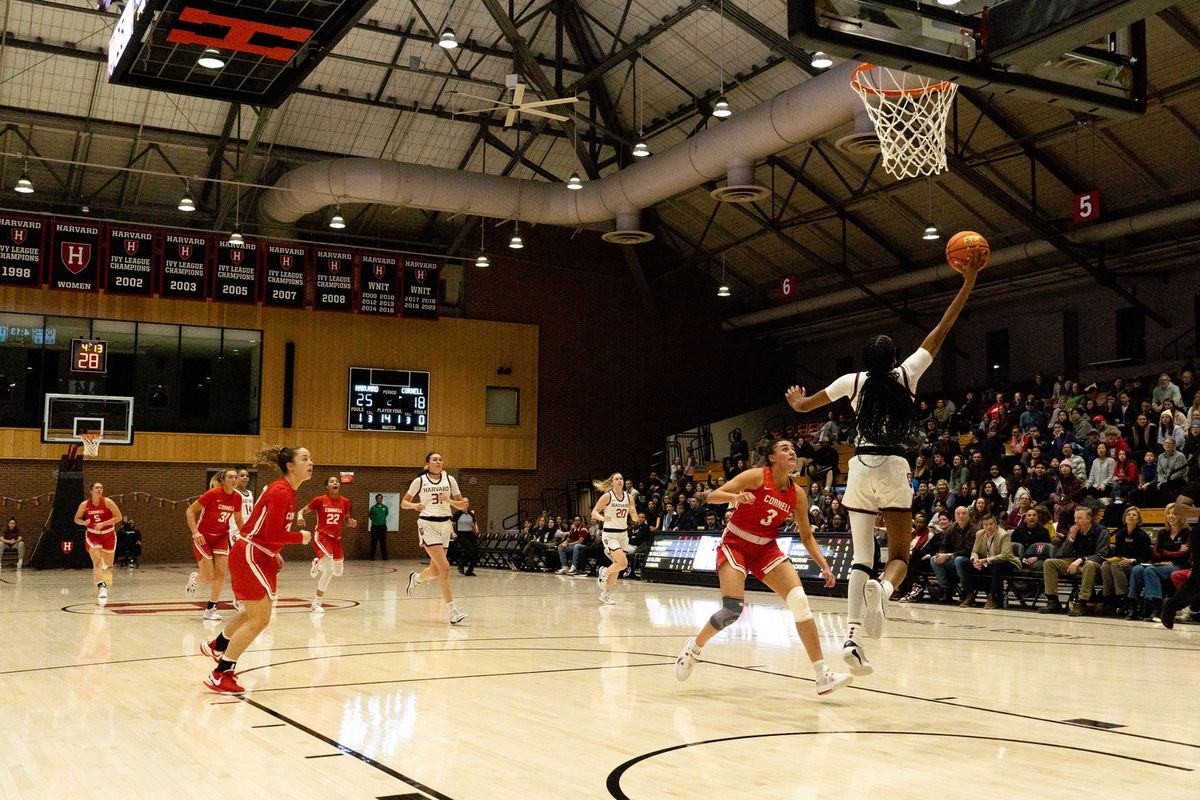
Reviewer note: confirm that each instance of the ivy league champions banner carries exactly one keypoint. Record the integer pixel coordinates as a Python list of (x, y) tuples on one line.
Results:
[(335, 279), (420, 288), (21, 251), (378, 284), (130, 261), (74, 255), (237, 272), (185, 272), (284, 280)]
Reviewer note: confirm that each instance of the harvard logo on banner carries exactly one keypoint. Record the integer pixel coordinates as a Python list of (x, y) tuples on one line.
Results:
[(378, 284), (237, 272), (130, 261), (335, 279), (21, 251), (420, 288), (74, 255), (284, 282), (185, 270)]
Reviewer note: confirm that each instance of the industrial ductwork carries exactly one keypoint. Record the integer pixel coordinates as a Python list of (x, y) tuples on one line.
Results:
[(732, 147), (1022, 253)]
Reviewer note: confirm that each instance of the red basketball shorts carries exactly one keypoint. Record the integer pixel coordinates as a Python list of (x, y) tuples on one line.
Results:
[(749, 558), (252, 571)]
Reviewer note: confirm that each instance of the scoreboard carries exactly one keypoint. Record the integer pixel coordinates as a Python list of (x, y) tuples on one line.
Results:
[(691, 557), (395, 400)]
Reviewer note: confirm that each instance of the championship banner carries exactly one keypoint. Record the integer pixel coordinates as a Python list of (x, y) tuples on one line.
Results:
[(378, 284), (420, 288), (74, 255), (335, 279), (284, 274), (184, 266), (237, 272), (21, 250), (130, 261)]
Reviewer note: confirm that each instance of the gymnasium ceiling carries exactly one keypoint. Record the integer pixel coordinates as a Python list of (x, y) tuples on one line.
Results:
[(387, 91)]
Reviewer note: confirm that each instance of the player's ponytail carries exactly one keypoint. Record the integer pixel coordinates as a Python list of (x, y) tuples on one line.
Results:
[(607, 484), (886, 415), (765, 447), (278, 455)]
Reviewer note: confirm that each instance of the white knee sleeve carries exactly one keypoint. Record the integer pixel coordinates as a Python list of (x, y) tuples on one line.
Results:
[(329, 568), (797, 601), (337, 568), (862, 534)]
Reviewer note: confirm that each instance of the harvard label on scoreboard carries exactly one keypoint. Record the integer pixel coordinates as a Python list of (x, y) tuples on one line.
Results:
[(130, 261), (284, 282), (237, 272), (21, 251), (379, 283), (420, 288), (184, 267), (335, 279), (74, 255)]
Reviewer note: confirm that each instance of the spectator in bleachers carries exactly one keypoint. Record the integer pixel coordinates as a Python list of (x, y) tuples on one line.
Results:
[(992, 560), (1032, 416), (1171, 470), (817, 496), (571, 548), (1127, 412), (653, 512), (978, 510), (947, 446), (1062, 437), (671, 517), (1080, 552), (1191, 444), (1069, 489), (1101, 475), (1131, 546), (825, 464), (1017, 480), (1168, 554), (837, 524), (920, 471), (922, 502), (711, 522), (676, 470), (1076, 397), (1143, 436), (1071, 457), (1042, 484), (805, 453), (939, 468), (963, 497), (693, 515), (1145, 493), (1187, 388), (1081, 425), (1125, 476), (739, 448), (1165, 390), (1017, 513), (829, 430), (1168, 429), (956, 541), (943, 413), (924, 545), (977, 469), (959, 474), (1030, 530), (941, 494), (1110, 410)]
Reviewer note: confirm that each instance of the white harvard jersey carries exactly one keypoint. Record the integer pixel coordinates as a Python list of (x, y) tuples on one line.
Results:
[(434, 495), (618, 513), (247, 506)]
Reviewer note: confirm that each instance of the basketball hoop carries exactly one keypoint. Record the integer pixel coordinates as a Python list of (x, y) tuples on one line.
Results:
[(909, 112), (91, 443)]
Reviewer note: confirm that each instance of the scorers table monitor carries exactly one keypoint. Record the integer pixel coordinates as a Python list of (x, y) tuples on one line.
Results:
[(395, 400)]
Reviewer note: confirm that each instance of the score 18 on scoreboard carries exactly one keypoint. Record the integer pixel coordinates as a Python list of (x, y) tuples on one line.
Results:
[(394, 400)]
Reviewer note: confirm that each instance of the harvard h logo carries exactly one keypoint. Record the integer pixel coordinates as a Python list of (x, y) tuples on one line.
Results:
[(236, 254), (379, 271), (131, 247), (75, 256), (285, 261), (185, 252), (420, 276), (335, 266), (19, 235)]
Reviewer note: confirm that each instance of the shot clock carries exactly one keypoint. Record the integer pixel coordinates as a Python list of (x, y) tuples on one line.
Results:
[(89, 355)]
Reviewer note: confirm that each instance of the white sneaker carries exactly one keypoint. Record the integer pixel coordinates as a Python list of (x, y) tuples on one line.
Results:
[(414, 580), (212, 615), (315, 569), (874, 609), (572, 571), (686, 660), (102, 595), (856, 659), (830, 681), (560, 571), (456, 616), (316, 608), (190, 589), (602, 577), (607, 599), (1180, 616)]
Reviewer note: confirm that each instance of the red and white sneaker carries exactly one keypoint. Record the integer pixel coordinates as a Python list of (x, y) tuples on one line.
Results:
[(315, 569), (210, 649), (223, 683)]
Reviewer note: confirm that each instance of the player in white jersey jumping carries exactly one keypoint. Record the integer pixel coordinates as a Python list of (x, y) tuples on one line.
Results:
[(432, 495), (878, 481), (614, 511)]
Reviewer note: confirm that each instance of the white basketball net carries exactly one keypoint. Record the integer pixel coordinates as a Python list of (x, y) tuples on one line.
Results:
[(909, 113), (91, 443)]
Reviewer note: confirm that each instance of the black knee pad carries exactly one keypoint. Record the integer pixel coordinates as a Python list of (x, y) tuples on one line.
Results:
[(863, 568), (731, 609)]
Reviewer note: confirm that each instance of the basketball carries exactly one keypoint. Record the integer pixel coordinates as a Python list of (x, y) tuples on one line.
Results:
[(962, 245)]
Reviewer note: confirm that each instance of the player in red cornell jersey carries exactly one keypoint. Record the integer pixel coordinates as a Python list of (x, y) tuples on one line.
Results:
[(100, 515), (254, 564), (208, 519), (332, 510), (763, 499)]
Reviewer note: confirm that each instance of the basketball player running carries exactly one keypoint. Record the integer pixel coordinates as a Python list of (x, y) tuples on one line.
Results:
[(254, 564), (243, 488), (100, 516), (210, 519), (762, 500), (432, 494), (615, 511), (878, 480), (332, 510)]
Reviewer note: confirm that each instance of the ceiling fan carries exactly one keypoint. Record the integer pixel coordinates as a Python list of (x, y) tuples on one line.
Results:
[(517, 104)]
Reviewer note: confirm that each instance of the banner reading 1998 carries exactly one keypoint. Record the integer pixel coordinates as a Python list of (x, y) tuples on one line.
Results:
[(21, 251)]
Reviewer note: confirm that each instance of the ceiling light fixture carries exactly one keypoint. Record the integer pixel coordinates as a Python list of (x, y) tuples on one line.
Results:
[(337, 221), (640, 150), (515, 242), (24, 185), (187, 203), (235, 238), (721, 108), (821, 61), (931, 232), (574, 182), (723, 289), (210, 59), (947, 2), (448, 40), (482, 260)]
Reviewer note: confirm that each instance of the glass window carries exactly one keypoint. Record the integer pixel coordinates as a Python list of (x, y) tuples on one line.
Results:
[(236, 381), (122, 355), (503, 405), (156, 384), (20, 369)]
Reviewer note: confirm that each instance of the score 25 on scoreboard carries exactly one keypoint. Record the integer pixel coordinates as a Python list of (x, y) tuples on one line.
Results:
[(388, 400)]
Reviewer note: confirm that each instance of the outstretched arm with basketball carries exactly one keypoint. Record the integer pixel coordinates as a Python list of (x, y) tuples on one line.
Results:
[(970, 271)]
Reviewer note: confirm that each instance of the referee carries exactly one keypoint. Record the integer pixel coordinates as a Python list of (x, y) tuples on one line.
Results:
[(378, 515), (468, 540)]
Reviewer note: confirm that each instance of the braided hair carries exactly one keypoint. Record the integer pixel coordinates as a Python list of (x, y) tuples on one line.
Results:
[(886, 415)]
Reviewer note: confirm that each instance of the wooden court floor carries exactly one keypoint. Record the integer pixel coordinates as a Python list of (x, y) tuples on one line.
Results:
[(542, 693)]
